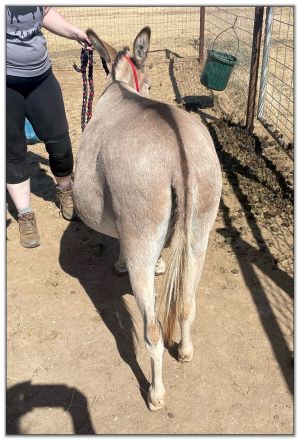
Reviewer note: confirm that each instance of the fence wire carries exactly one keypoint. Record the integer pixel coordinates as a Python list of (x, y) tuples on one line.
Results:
[(276, 97), (217, 19), (173, 28), (176, 30)]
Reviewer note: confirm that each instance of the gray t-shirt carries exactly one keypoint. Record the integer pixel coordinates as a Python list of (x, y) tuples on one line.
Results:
[(26, 50)]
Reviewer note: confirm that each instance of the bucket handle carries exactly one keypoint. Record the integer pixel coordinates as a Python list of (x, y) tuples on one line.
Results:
[(225, 30)]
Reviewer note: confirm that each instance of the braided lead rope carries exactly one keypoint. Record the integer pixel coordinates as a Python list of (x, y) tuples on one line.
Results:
[(91, 88), (86, 59), (84, 62)]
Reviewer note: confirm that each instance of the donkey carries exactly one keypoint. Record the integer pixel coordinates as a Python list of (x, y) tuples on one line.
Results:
[(148, 174)]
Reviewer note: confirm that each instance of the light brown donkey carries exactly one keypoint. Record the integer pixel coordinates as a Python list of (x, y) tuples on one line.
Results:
[(148, 174)]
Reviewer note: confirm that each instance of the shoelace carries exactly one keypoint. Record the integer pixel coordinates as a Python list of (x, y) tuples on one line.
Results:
[(65, 193), (27, 222)]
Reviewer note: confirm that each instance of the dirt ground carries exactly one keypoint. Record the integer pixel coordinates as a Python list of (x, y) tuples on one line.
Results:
[(72, 324)]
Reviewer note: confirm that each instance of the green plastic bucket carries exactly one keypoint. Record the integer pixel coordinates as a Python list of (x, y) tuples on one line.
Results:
[(217, 69)]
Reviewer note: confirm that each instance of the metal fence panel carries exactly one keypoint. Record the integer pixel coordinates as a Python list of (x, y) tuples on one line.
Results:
[(276, 96)]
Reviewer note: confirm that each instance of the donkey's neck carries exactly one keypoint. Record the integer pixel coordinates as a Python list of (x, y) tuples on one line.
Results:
[(117, 91)]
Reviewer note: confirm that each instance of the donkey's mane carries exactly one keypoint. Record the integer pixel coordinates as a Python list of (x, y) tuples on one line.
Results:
[(119, 56)]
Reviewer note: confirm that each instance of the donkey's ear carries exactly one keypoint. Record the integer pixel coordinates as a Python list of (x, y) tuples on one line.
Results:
[(141, 46), (105, 50)]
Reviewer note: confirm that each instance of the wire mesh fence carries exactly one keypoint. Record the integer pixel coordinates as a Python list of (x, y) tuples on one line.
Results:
[(173, 28), (220, 35), (175, 52), (276, 97), (174, 49)]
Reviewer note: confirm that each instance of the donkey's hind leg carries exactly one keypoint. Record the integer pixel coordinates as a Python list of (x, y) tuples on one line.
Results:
[(186, 318), (141, 269)]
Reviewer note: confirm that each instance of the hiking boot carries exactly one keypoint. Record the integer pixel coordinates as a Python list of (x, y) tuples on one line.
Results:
[(64, 199), (29, 236)]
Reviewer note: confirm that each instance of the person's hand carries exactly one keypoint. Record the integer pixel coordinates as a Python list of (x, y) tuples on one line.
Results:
[(83, 39)]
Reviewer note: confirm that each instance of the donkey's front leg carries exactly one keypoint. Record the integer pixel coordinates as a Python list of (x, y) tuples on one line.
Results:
[(160, 267), (120, 264), (121, 268)]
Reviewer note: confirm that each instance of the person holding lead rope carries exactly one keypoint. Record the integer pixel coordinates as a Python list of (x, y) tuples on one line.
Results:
[(32, 91)]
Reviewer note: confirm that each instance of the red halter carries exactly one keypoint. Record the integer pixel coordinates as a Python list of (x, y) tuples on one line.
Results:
[(134, 73)]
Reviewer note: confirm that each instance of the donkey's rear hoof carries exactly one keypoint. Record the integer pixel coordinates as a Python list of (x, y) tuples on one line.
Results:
[(185, 355), (154, 402)]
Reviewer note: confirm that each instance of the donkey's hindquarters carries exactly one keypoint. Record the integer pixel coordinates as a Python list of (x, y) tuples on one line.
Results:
[(148, 173)]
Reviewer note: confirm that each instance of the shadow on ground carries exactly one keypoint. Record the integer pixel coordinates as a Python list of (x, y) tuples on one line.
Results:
[(237, 166), (265, 173), (89, 257), (24, 397)]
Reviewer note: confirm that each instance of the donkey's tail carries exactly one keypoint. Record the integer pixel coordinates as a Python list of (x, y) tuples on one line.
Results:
[(177, 266)]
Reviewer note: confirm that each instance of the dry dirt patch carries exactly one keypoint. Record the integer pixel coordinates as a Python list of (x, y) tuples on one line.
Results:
[(71, 365)]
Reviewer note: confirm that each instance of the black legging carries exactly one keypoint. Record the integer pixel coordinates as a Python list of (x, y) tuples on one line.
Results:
[(40, 100)]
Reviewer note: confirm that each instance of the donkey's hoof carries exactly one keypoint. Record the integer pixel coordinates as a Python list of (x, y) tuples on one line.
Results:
[(120, 268), (154, 402), (185, 355), (160, 267)]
